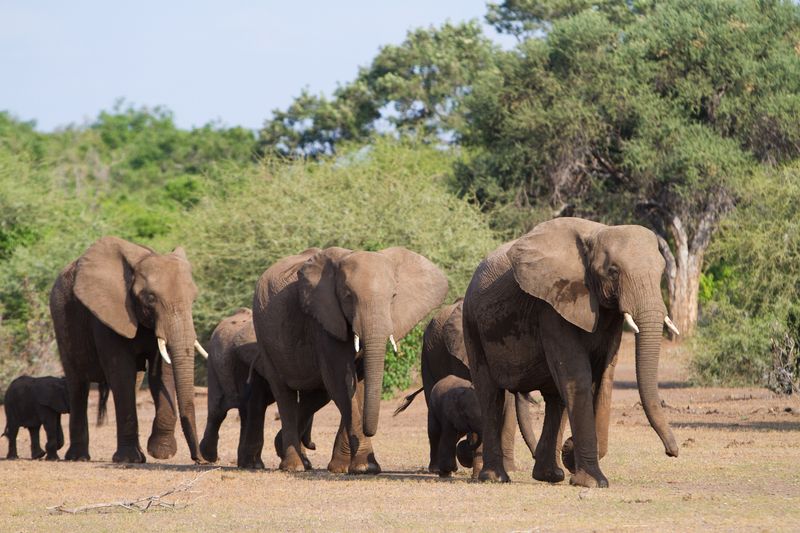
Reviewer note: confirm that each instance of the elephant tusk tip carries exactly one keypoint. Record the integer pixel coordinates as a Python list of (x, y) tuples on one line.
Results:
[(630, 322), (671, 325)]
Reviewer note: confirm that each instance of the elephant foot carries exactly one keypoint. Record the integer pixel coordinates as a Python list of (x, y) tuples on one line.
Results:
[(209, 451), (443, 474), (582, 478), (37, 454), (293, 463), (548, 473), (12, 456), (568, 455), (129, 454), (162, 446), (52, 457), (77, 453), (465, 454), (433, 467), (493, 475), (251, 463), (364, 465)]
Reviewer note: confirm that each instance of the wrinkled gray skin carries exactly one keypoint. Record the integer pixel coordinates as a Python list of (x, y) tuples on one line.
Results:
[(307, 309), (453, 413), (443, 354), (233, 353), (31, 403), (545, 312), (108, 308)]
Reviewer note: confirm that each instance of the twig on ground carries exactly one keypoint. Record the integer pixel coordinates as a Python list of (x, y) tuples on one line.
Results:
[(141, 505)]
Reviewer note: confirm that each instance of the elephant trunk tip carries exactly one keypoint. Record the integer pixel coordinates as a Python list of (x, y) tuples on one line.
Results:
[(671, 447)]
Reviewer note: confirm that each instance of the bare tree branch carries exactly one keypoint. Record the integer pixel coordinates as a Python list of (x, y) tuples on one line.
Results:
[(142, 504)]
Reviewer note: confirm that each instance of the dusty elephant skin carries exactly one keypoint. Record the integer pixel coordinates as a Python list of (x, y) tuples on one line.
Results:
[(234, 383), (117, 309), (443, 354), (323, 319), (545, 312)]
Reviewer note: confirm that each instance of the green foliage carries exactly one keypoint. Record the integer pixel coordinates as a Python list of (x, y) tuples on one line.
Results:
[(413, 89), (402, 366), (755, 262)]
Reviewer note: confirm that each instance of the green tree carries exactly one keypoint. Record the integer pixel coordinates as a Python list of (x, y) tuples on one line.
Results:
[(414, 88), (655, 117)]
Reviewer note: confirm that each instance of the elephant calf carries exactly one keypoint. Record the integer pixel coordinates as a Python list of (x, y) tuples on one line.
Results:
[(33, 402), (454, 412)]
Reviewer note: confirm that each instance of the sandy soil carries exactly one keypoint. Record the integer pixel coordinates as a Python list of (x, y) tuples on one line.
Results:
[(738, 470)]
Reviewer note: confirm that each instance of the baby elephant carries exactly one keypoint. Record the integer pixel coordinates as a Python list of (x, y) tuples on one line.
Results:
[(454, 412), (33, 402)]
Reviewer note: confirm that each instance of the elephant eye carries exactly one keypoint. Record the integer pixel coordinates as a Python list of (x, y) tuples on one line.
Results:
[(149, 298), (613, 272)]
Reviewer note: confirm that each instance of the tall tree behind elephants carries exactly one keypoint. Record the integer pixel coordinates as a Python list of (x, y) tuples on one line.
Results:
[(635, 112)]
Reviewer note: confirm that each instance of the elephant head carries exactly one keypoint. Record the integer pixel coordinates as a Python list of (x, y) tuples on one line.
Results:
[(578, 266), (368, 298), (126, 286)]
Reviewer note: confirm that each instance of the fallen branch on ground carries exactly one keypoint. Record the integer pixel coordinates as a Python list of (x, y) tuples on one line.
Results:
[(142, 504)]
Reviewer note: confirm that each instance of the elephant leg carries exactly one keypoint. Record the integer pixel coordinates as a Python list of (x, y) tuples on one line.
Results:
[(434, 437), (78, 421), (545, 467), (119, 367), (216, 415), (160, 379), (310, 403), (508, 432), (36, 448), (602, 416), (447, 450), (574, 381), (51, 426), (491, 399), (60, 435), (251, 439), (11, 433)]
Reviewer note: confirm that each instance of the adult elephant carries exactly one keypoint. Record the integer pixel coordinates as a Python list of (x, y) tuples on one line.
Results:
[(117, 308), (323, 319), (545, 312), (234, 382), (443, 354)]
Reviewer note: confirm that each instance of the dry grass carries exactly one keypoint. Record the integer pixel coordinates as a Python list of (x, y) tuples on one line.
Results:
[(738, 470)]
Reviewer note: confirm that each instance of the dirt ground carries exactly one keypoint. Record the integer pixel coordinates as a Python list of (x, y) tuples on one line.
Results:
[(738, 470)]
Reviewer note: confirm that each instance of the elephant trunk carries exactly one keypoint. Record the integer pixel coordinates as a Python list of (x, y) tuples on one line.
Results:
[(525, 420), (648, 346), (374, 355), (180, 337)]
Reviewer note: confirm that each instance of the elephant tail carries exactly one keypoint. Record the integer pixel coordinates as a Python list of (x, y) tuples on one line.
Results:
[(407, 401), (102, 388)]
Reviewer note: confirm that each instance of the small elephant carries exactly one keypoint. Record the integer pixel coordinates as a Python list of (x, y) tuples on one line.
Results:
[(231, 379), (118, 309), (545, 312), (34, 402), (323, 319), (443, 354), (454, 413)]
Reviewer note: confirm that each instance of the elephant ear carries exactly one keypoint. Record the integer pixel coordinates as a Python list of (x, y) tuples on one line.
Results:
[(453, 333), (103, 282), (317, 284), (421, 287), (550, 263)]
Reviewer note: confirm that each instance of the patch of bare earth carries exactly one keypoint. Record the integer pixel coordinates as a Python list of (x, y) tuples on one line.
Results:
[(739, 469)]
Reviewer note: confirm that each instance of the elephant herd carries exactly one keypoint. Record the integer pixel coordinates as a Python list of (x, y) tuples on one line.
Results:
[(542, 313)]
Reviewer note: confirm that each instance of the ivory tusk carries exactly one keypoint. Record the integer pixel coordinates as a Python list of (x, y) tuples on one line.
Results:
[(631, 323), (162, 348), (356, 342), (200, 349), (394, 344), (671, 326)]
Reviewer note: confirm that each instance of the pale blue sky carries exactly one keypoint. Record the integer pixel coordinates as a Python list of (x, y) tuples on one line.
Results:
[(233, 60)]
